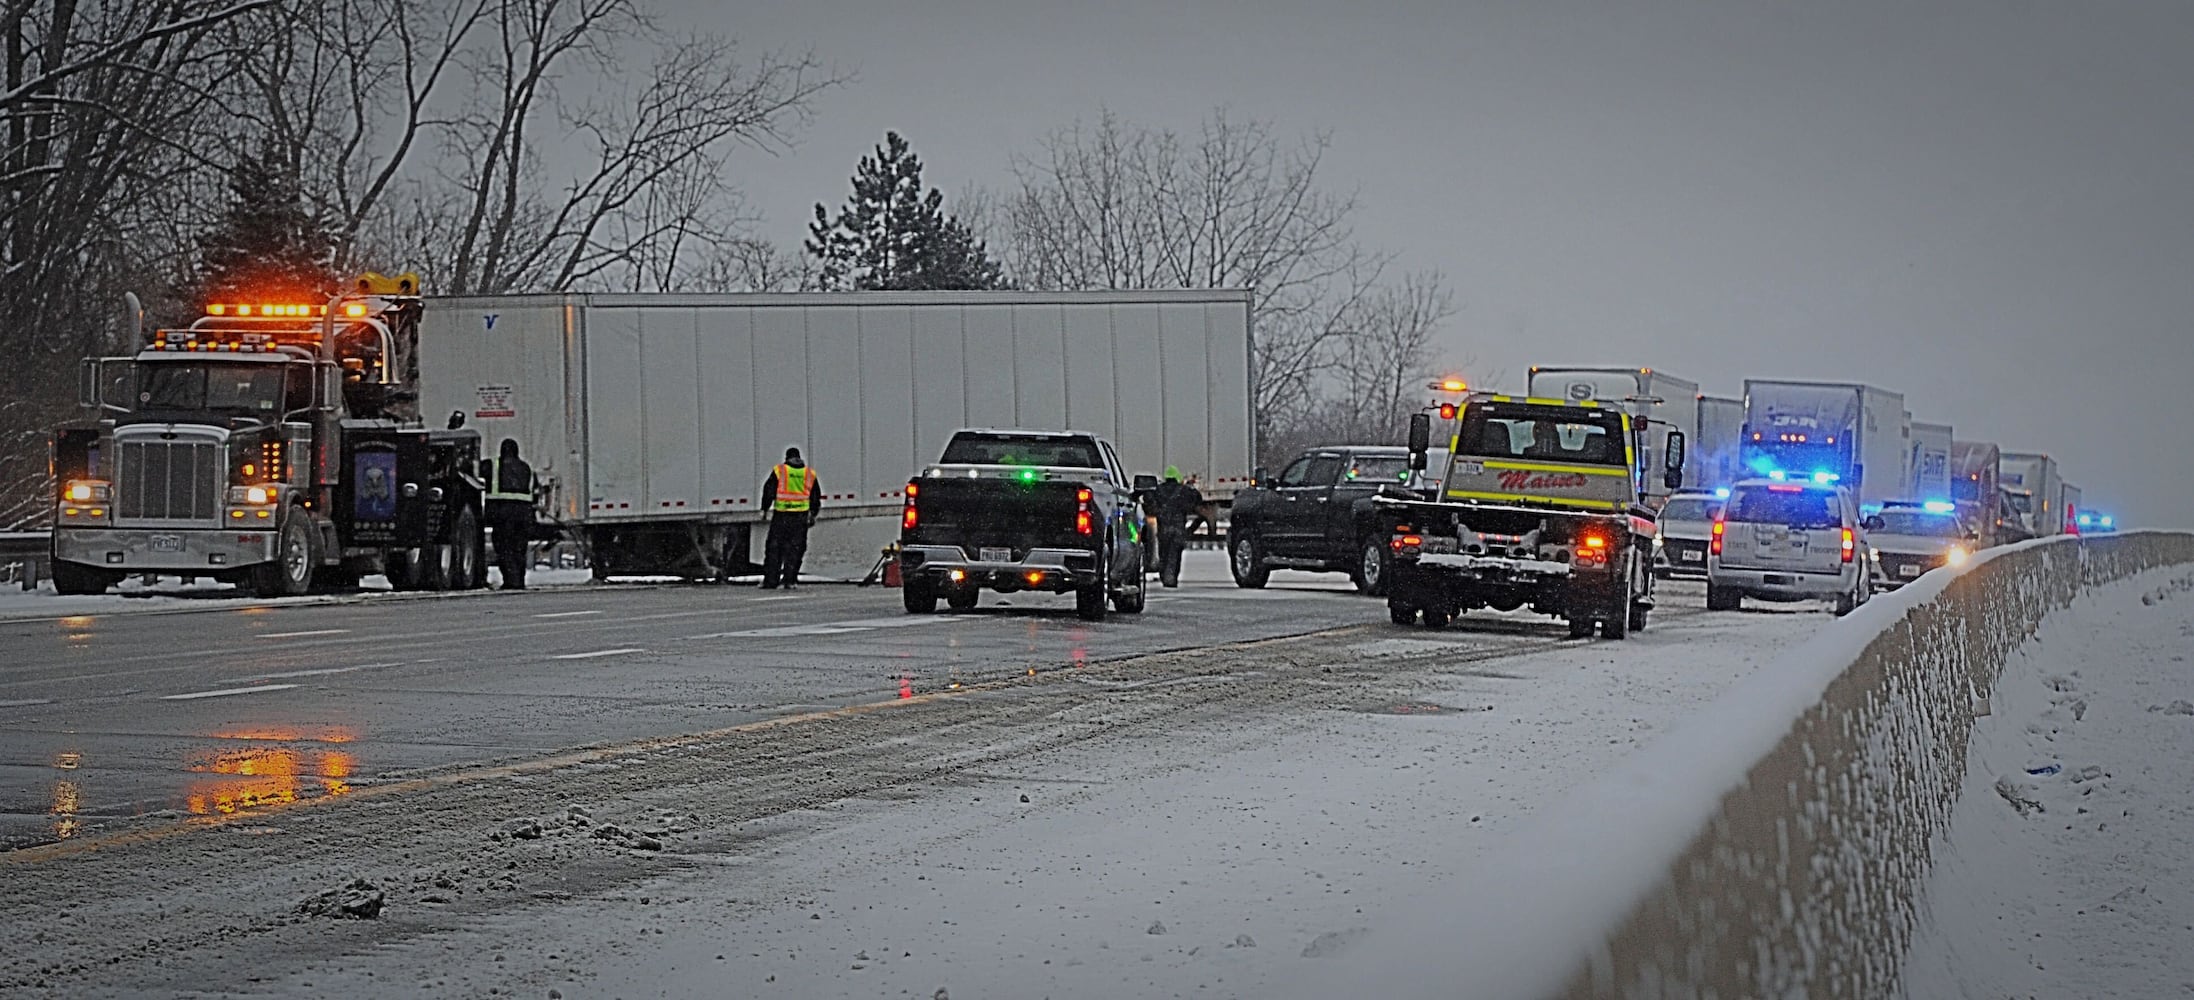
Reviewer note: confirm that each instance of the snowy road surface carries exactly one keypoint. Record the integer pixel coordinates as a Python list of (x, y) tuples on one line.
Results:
[(1198, 804), (2068, 869)]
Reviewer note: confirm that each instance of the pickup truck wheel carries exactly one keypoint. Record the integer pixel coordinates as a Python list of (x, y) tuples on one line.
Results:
[(919, 598), (1401, 614), (1131, 598), (1847, 603), (296, 555), (961, 600), (1370, 575), (1089, 603), (1580, 627), (1246, 557), (1437, 619)]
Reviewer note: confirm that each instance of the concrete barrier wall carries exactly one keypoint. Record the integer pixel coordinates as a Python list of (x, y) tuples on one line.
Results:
[(1803, 882)]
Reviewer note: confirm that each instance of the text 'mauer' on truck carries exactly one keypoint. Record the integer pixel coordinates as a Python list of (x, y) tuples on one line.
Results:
[(1545, 505), (277, 445)]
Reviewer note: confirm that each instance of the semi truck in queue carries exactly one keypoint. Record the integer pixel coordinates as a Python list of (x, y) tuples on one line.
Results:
[(1545, 504), (276, 445)]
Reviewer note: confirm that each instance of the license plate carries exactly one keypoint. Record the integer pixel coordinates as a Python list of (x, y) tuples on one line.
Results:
[(1908, 571), (997, 555), (1693, 556), (167, 543)]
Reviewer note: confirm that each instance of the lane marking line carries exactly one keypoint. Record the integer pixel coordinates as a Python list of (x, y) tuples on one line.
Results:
[(826, 628), (595, 653), (322, 671), (300, 635), (567, 614), (25, 702), (225, 692)]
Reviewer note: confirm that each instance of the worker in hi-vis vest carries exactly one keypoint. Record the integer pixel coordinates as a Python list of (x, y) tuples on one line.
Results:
[(510, 512), (793, 499)]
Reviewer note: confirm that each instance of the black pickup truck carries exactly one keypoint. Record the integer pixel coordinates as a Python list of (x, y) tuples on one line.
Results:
[(1017, 510), (1317, 515)]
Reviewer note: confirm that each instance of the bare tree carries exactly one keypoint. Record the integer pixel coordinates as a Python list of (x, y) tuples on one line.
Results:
[(95, 97), (1382, 367), (1234, 205)]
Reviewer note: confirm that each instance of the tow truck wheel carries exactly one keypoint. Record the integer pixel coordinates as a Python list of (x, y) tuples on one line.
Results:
[(1638, 616), (1370, 575), (962, 599), (70, 578), (1617, 623), (295, 557), (1245, 557), (1580, 627), (920, 599)]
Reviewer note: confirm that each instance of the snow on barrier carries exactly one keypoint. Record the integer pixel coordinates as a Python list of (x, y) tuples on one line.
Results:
[(1776, 845)]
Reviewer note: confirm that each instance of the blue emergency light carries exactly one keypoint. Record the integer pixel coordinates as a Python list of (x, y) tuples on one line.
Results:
[(1940, 507), (1721, 492)]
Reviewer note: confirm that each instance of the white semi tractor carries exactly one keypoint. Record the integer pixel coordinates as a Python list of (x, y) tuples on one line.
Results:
[(2031, 482), (1646, 393), (1857, 435), (653, 419)]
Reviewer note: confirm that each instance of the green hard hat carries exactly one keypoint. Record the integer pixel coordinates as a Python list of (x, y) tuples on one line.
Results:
[(1173, 472)]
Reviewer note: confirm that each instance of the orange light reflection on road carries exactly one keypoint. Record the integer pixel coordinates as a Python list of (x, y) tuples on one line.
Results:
[(67, 799), (264, 776)]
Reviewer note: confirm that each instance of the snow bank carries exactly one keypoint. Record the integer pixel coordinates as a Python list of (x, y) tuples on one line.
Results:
[(1772, 847)]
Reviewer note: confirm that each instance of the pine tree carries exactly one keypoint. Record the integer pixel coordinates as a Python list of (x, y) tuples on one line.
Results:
[(268, 245), (890, 235)]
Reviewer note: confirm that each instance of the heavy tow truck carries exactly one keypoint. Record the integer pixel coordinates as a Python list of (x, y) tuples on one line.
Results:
[(274, 445), (1545, 504)]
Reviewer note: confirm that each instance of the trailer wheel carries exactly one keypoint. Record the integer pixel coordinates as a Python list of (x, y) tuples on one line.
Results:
[(73, 579), (920, 598), (296, 555)]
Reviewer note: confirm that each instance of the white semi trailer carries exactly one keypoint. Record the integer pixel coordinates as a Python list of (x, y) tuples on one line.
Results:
[(653, 419), (1648, 393), (2034, 487), (1930, 472), (1717, 449)]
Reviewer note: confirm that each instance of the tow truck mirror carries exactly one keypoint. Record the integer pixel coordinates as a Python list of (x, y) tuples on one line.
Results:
[(87, 384), (1145, 483), (1673, 465), (1261, 477), (1420, 439)]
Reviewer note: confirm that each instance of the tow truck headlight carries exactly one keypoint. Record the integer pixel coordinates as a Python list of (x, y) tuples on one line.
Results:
[(87, 491), (1958, 555)]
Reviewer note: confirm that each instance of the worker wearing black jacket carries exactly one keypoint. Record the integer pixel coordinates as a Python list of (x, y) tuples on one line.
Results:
[(510, 512), (1173, 502), (793, 497)]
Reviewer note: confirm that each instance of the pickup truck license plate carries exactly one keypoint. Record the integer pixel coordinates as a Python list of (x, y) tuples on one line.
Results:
[(1692, 556), (1908, 570), (997, 555), (167, 543)]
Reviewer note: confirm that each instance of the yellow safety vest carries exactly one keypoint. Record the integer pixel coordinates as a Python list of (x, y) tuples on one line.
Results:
[(795, 488), (495, 484)]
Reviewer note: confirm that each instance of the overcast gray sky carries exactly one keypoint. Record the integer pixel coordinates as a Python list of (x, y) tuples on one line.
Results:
[(1987, 206)]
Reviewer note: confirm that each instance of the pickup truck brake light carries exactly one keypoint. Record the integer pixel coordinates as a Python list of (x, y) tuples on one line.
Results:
[(1083, 523), (910, 518)]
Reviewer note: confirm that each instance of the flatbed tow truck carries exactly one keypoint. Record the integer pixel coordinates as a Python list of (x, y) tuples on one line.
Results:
[(1545, 504)]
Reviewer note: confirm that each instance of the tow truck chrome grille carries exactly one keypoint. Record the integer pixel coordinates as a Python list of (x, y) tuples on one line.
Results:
[(169, 480)]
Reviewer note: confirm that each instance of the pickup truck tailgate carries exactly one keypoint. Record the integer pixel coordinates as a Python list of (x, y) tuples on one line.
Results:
[(997, 514)]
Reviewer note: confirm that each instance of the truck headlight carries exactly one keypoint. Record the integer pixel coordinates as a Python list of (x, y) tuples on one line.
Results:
[(1958, 555), (253, 496), (87, 491)]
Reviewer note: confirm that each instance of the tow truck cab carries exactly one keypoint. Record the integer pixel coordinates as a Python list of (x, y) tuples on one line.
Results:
[(273, 445), (1544, 504)]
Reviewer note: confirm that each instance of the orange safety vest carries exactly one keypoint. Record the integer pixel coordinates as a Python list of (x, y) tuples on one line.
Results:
[(795, 488)]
